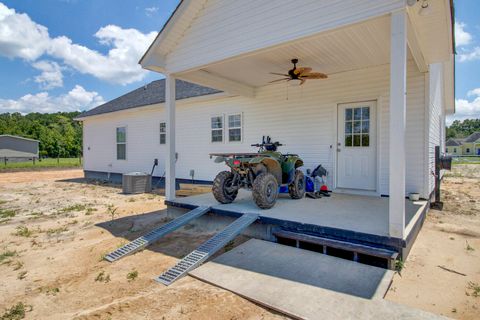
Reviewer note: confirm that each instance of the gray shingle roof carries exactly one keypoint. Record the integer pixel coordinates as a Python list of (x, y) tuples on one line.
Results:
[(473, 137), (453, 142), (152, 93)]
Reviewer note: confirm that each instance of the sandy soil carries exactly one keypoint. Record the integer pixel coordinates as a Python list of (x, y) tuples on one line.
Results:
[(451, 239), (63, 226), (55, 243)]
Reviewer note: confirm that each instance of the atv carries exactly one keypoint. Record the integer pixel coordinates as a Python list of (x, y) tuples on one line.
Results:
[(262, 172)]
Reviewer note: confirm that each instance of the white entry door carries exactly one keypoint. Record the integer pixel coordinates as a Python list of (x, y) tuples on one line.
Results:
[(357, 146)]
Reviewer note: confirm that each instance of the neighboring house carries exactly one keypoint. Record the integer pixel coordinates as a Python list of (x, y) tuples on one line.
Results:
[(14, 148), (469, 146), (387, 64)]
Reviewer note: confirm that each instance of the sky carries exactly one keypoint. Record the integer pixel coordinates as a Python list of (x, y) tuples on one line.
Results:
[(73, 55)]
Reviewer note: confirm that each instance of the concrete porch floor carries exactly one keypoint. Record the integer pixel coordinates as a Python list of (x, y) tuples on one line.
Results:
[(365, 214)]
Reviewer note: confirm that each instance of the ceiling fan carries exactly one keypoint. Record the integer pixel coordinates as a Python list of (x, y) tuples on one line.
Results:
[(300, 74)]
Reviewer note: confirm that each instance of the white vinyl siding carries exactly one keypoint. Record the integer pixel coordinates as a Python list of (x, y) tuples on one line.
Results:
[(305, 124), (163, 132)]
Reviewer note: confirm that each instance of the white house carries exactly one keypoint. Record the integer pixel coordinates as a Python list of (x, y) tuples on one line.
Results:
[(390, 74)]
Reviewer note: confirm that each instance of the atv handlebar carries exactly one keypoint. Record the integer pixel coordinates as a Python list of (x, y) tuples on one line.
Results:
[(258, 145)]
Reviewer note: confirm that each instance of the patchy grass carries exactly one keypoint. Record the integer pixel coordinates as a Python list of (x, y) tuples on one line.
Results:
[(7, 213), (56, 231), (17, 265), (5, 256), (468, 247), (90, 211), (23, 231), (52, 291), (474, 288), (399, 266), (132, 275), (102, 277), (16, 312), (75, 207), (229, 246), (44, 163), (22, 275)]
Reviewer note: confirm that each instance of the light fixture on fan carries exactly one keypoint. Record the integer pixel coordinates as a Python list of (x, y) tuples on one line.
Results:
[(298, 75)]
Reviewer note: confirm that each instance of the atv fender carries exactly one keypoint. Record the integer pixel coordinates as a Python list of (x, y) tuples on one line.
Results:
[(289, 166), (272, 165)]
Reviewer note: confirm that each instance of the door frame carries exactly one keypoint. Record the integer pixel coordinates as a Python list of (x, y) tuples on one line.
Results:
[(379, 103)]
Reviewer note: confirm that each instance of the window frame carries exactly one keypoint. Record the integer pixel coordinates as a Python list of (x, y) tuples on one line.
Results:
[(123, 143), (228, 128), (222, 117), (162, 133)]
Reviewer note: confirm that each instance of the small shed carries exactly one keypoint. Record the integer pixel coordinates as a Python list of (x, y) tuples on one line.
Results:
[(15, 148)]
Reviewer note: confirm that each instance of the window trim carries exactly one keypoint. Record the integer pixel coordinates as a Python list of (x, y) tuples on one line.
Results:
[(160, 133), (240, 127), (222, 116), (125, 143)]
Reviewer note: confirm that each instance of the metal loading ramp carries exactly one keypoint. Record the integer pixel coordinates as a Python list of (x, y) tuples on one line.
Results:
[(206, 250), (154, 235)]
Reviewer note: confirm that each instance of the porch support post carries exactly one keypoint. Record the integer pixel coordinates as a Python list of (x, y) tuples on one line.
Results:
[(398, 106), (170, 160)]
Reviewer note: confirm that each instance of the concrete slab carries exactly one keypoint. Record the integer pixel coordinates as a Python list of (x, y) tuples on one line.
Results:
[(367, 214), (305, 284)]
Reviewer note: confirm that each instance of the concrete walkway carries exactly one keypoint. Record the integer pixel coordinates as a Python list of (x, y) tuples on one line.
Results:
[(304, 284)]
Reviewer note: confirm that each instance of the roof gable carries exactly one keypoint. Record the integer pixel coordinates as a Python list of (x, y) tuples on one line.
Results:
[(152, 93), (473, 137)]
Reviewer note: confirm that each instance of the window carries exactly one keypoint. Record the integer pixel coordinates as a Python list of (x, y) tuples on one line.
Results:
[(468, 150), (163, 132), (357, 127), (216, 127), (446, 150), (454, 150), (235, 127), (121, 143)]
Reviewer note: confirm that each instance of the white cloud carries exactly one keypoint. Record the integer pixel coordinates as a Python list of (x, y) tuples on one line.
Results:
[(465, 109), (150, 11), (462, 37), (20, 37), (469, 55), (51, 76), (76, 100)]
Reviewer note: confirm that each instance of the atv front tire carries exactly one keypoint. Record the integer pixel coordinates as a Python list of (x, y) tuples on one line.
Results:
[(265, 190), (297, 187), (222, 182)]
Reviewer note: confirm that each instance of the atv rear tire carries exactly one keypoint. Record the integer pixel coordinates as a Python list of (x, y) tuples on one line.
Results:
[(265, 190), (222, 181), (297, 187)]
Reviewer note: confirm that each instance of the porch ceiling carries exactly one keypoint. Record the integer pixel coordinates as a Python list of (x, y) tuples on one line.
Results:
[(355, 47)]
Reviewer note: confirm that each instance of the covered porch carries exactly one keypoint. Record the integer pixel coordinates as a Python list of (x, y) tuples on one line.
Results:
[(391, 38)]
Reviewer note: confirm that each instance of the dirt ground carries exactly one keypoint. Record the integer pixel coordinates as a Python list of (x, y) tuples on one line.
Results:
[(450, 239), (52, 249), (55, 228)]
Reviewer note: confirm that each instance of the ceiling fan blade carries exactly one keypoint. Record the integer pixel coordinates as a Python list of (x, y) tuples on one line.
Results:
[(279, 80), (279, 74), (314, 75), (302, 70)]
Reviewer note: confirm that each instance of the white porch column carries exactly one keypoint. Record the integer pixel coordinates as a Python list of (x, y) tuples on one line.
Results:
[(170, 160), (398, 105)]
